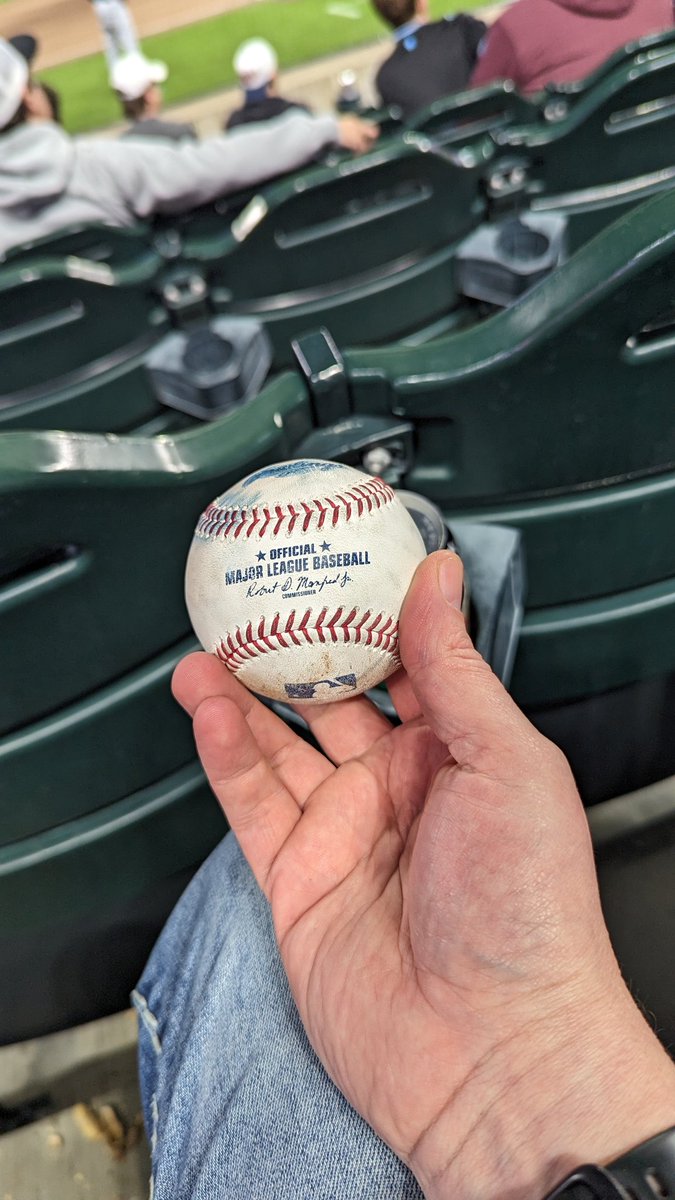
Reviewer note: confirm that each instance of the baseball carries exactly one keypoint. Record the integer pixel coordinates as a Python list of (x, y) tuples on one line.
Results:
[(296, 576)]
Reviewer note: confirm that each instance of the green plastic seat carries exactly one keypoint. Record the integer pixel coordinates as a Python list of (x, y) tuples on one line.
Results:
[(571, 540), (95, 535), (81, 903), (366, 246), (557, 98), (570, 387), (125, 255), (474, 112), (115, 741), (571, 651), (611, 150), (72, 344)]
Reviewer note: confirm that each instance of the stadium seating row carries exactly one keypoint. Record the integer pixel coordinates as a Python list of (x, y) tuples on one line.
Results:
[(105, 812), (366, 247)]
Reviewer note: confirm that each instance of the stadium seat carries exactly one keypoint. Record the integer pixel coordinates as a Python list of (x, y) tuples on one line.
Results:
[(72, 343), (475, 112), (86, 755), (81, 903), (93, 556), (557, 99), (569, 387), (571, 651), (570, 540), (129, 255), (612, 150), (365, 246)]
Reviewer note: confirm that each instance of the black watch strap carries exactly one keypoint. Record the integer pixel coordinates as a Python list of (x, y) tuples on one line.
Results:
[(645, 1173)]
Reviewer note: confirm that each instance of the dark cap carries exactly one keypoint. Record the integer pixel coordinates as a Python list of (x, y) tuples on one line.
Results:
[(25, 44)]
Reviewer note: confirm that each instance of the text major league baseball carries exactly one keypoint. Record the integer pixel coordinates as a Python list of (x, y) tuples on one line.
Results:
[(297, 561)]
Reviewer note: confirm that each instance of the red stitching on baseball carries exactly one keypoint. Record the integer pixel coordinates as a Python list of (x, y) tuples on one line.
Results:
[(227, 522), (240, 647)]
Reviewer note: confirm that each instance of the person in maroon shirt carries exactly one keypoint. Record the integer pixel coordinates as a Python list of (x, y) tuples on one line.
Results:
[(536, 42)]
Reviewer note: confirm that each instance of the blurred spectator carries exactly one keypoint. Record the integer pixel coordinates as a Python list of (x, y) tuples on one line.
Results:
[(46, 100), (49, 181), (136, 81), (256, 65), (118, 29), (26, 45), (431, 59), (536, 42), (53, 99)]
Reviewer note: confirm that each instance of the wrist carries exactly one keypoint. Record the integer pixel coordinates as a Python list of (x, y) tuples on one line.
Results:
[(589, 1095)]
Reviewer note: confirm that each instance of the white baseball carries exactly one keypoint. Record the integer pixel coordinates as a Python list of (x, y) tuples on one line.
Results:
[(296, 576)]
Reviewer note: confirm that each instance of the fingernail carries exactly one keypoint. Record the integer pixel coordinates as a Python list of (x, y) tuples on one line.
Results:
[(450, 579)]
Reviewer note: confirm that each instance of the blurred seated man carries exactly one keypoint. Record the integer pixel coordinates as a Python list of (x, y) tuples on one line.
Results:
[(536, 42), (27, 46), (431, 59), (136, 82), (257, 66), (49, 181)]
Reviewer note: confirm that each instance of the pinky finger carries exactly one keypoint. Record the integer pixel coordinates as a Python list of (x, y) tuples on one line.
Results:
[(260, 810)]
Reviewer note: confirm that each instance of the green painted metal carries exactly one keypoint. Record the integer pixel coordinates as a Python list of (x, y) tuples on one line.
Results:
[(72, 344), (367, 245), (109, 854), (92, 559), (474, 112), (643, 49), (114, 742), (594, 542), (499, 411), (620, 128), (123, 256), (584, 649)]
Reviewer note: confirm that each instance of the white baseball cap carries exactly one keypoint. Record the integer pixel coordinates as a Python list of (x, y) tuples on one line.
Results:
[(255, 63), (132, 75), (13, 81)]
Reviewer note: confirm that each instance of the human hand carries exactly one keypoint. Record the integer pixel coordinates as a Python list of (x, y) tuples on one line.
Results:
[(357, 135), (434, 896)]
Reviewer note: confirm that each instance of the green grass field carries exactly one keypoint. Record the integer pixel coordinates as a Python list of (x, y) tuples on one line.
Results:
[(200, 56)]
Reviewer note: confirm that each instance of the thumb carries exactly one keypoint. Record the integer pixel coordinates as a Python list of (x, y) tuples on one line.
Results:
[(463, 702)]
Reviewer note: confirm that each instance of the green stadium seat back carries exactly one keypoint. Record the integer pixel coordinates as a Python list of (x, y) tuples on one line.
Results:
[(95, 535), (621, 128), (571, 386), (371, 311), (588, 212), (593, 542), (342, 241), (475, 112), (82, 903), (72, 348), (94, 752), (124, 255), (557, 98), (586, 648)]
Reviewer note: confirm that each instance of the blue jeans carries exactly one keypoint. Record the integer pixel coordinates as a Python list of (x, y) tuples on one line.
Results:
[(236, 1103)]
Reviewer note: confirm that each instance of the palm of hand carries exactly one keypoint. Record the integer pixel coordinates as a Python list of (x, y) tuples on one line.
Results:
[(434, 894), (354, 852)]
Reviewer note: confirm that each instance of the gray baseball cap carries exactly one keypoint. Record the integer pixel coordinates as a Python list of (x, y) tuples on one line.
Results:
[(13, 81)]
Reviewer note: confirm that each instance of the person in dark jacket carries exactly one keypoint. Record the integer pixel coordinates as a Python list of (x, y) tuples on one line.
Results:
[(136, 81), (256, 65), (536, 42), (431, 59)]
